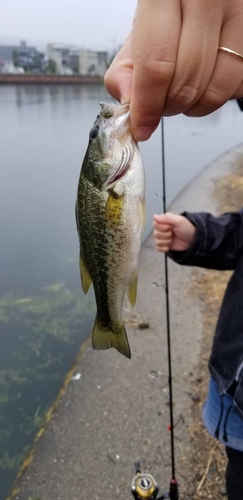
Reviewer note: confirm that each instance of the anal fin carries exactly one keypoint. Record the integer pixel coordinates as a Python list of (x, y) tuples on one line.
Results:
[(86, 279), (132, 290)]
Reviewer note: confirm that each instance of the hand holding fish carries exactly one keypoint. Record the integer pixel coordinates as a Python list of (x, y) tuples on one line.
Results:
[(173, 232), (171, 64)]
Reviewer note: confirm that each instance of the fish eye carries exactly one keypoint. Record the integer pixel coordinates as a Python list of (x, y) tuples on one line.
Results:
[(94, 132)]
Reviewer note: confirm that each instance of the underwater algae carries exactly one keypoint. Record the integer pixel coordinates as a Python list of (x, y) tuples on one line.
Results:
[(40, 336)]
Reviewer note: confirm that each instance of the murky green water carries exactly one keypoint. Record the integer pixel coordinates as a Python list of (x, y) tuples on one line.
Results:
[(44, 316)]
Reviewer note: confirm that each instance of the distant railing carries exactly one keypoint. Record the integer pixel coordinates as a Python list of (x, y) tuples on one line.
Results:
[(47, 79)]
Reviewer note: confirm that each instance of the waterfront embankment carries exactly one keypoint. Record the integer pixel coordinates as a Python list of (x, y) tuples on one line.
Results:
[(115, 411), (23, 79)]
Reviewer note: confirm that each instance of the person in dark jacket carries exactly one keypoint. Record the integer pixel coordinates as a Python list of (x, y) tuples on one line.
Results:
[(200, 239)]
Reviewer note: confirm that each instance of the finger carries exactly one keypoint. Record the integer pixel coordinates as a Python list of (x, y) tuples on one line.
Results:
[(162, 236), (239, 93), (163, 242), (197, 54), (228, 73), (162, 247), (160, 219), (168, 218), (118, 78), (155, 37), (162, 228)]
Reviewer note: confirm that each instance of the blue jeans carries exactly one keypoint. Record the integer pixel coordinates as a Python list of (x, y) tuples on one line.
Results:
[(221, 421)]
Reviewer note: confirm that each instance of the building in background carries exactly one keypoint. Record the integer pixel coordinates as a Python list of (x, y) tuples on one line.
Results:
[(21, 58), (92, 62), (7, 52), (59, 59), (62, 58), (73, 60)]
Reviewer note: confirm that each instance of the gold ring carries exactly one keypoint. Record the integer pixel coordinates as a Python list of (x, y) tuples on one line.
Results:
[(230, 51)]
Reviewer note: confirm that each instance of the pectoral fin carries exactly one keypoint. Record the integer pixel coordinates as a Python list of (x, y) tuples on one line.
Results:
[(114, 207), (132, 290), (85, 276), (141, 217)]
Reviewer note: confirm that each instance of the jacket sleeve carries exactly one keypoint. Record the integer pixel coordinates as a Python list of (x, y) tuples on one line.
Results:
[(218, 244)]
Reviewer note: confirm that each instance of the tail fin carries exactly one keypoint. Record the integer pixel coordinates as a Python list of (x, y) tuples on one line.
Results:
[(105, 338)]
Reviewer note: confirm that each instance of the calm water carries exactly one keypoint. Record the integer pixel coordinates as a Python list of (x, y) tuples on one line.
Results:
[(44, 316)]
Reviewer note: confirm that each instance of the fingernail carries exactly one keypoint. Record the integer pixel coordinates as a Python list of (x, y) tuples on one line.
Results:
[(142, 134), (124, 100)]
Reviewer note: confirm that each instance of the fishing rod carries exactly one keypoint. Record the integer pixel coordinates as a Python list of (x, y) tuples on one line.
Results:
[(144, 486)]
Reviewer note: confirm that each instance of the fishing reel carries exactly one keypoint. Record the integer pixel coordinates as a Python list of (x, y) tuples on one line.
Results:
[(144, 486)]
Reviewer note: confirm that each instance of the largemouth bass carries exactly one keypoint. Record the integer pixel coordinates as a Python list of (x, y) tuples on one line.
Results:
[(110, 214)]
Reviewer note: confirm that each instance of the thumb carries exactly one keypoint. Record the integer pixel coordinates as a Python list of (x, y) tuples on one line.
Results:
[(118, 78), (168, 218)]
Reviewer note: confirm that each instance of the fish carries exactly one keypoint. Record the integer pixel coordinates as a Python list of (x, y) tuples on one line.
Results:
[(110, 216)]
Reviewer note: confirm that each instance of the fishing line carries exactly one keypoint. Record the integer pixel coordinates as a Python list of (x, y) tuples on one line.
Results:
[(167, 300)]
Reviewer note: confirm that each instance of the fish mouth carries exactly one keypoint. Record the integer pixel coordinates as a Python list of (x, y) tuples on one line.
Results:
[(115, 111), (121, 123), (116, 116), (127, 153)]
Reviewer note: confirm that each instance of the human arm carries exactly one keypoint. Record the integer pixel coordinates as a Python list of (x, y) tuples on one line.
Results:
[(217, 241), (171, 64)]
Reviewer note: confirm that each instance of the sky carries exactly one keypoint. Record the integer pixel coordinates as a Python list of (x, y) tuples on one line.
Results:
[(94, 24)]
